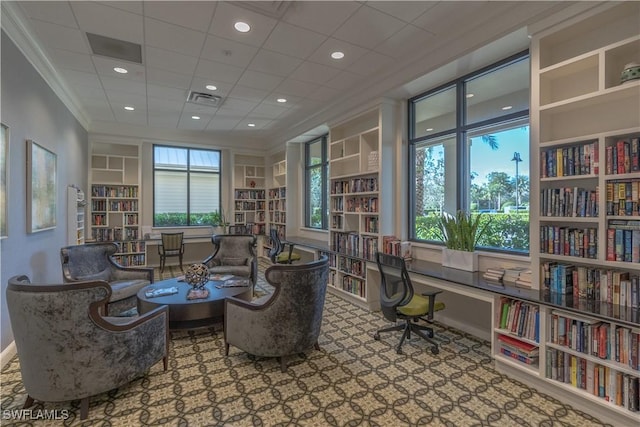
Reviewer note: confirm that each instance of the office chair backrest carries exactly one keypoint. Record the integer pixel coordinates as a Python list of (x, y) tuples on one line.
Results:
[(395, 285), (172, 241)]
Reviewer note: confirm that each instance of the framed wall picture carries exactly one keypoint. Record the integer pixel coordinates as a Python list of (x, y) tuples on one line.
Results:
[(41, 188), (4, 180)]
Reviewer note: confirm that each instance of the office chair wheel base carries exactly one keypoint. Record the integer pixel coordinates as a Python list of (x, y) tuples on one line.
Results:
[(435, 350), (376, 336), (430, 334), (398, 350)]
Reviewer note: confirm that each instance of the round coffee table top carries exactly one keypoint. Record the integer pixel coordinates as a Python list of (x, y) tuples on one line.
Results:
[(216, 288)]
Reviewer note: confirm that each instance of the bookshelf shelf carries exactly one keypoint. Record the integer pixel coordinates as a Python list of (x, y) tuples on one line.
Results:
[(249, 196)]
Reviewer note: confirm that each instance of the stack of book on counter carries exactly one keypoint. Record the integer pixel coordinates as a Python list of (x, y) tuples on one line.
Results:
[(519, 350), (493, 275), (517, 276)]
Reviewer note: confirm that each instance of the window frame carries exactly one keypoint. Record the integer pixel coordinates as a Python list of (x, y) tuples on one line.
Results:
[(187, 172), (461, 130), (324, 172)]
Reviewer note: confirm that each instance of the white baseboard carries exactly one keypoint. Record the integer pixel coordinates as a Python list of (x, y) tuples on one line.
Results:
[(464, 327), (7, 354)]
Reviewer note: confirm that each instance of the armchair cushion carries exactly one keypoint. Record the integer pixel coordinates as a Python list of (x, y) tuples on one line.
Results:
[(101, 275), (235, 261), (122, 289)]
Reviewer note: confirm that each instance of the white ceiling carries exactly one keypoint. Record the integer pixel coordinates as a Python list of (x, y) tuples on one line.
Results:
[(186, 45)]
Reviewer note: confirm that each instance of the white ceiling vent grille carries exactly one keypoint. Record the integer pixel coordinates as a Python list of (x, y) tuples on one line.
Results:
[(206, 99), (114, 48), (273, 9)]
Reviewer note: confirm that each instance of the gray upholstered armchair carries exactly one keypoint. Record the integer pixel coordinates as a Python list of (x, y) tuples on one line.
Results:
[(68, 351), (92, 261), (234, 254), (286, 323)]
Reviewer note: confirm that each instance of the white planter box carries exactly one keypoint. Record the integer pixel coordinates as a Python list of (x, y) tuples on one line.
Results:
[(461, 260)]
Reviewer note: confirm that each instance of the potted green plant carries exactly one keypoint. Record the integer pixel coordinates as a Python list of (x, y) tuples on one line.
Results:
[(219, 222), (460, 234)]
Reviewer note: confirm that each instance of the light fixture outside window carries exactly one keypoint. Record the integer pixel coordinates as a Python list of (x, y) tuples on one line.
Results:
[(242, 27), (507, 107)]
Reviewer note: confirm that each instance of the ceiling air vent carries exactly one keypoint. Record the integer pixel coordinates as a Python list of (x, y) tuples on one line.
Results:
[(114, 48), (207, 99)]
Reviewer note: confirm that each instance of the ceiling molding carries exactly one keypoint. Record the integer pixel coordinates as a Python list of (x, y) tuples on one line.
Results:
[(14, 23)]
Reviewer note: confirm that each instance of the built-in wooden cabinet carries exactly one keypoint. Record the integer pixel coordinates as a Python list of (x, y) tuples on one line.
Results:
[(115, 201)]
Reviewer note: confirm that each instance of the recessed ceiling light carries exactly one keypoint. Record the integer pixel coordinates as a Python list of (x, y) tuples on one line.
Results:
[(281, 100), (429, 129), (120, 70), (242, 27), (470, 95), (211, 87), (128, 108), (195, 117), (251, 125), (337, 55), (507, 107)]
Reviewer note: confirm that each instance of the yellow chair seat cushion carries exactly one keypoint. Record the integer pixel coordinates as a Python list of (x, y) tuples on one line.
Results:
[(419, 306), (284, 257)]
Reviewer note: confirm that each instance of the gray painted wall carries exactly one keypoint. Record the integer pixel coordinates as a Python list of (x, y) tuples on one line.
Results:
[(31, 110)]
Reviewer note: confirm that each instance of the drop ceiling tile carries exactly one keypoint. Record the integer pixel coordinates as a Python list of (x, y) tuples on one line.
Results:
[(202, 111), (165, 120), (80, 78), (272, 99), (323, 54), (227, 14), (228, 51), (274, 63), (104, 66), (196, 15), (137, 117), (119, 100), (217, 72), (186, 122), (238, 105), (410, 40), (248, 93), (96, 102), (437, 19), (172, 37), (259, 80), (89, 94), (123, 85), (379, 27), (321, 16), (243, 125), (293, 41), (57, 36), (404, 10), (55, 12), (223, 123), (167, 78), (128, 5), (314, 73), (370, 63), (267, 111), (108, 21), (104, 112), (344, 81), (170, 61), (165, 105), (324, 93), (295, 87), (72, 60)]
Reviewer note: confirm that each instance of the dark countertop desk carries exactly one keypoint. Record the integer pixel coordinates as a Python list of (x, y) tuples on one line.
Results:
[(431, 270)]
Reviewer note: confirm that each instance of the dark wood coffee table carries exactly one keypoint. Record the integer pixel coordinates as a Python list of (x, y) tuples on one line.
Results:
[(196, 313)]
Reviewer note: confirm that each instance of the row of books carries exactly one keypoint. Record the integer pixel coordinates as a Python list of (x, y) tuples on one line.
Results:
[(371, 224), (362, 204), (131, 246), (116, 233), (352, 266), (249, 206), (114, 191), (623, 157), (130, 260), (351, 243), (249, 194), (623, 198), (278, 193), (394, 246), (569, 241), (598, 339), (277, 205), (278, 217), (354, 286), (355, 185), (623, 241), (520, 318), (612, 386), (569, 161), (569, 202)]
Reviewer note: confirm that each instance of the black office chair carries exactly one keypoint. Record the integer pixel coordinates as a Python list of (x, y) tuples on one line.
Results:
[(398, 301), (277, 252), (172, 245)]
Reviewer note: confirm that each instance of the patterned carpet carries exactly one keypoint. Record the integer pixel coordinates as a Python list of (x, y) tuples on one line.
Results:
[(353, 380)]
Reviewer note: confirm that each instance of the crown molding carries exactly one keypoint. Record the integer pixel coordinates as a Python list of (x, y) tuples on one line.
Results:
[(15, 26)]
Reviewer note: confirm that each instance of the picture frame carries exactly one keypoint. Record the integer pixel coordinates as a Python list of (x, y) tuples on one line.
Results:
[(4, 180), (41, 188)]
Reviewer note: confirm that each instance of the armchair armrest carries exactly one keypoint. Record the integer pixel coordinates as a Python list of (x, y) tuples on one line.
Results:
[(431, 294), (124, 273)]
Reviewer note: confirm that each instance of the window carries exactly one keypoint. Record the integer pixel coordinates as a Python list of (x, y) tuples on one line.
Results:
[(186, 186), (469, 150), (316, 176)]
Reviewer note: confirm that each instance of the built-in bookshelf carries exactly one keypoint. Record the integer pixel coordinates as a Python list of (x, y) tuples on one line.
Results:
[(357, 217), (517, 333), (115, 201), (249, 196), (75, 215), (585, 130)]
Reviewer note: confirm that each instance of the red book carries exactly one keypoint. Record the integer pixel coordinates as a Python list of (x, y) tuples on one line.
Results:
[(620, 150), (611, 238)]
